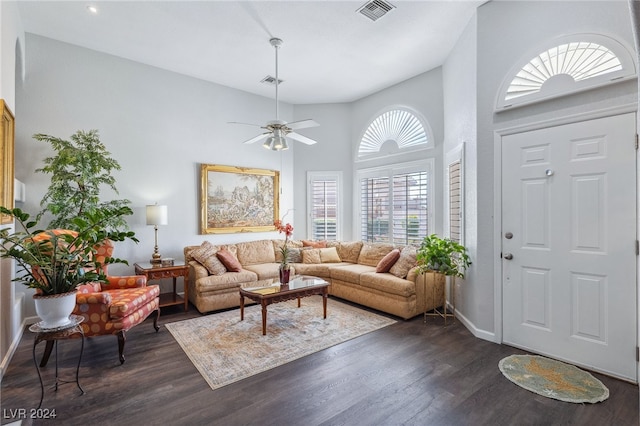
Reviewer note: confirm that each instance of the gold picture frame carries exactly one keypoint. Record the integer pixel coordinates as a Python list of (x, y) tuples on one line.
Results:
[(7, 136), (238, 199)]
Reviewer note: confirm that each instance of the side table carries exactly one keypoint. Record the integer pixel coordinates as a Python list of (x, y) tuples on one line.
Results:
[(156, 272), (53, 335)]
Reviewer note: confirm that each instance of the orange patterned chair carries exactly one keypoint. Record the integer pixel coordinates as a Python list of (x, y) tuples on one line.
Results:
[(116, 306)]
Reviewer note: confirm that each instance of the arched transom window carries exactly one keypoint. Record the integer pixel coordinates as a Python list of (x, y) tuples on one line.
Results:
[(581, 62), (396, 129)]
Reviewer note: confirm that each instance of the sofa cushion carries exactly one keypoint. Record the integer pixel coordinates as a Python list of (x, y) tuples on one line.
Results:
[(314, 244), (311, 256), (229, 280), (294, 250), (265, 270), (347, 250), (322, 270), (372, 253), (256, 252), (388, 261), (126, 302), (329, 255), (387, 283), (406, 261), (206, 256), (229, 260), (350, 272)]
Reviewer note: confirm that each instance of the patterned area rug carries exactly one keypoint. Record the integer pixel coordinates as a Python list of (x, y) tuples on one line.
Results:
[(553, 379), (225, 349)]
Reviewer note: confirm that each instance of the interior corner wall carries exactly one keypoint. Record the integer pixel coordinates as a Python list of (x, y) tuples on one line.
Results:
[(460, 84), (331, 153), (160, 126), (506, 30)]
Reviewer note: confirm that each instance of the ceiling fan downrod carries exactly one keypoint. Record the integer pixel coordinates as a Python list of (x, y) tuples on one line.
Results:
[(276, 43)]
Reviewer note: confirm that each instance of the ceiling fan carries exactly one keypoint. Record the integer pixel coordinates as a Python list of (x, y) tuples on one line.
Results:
[(278, 130)]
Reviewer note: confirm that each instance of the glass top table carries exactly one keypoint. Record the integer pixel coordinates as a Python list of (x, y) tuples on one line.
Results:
[(299, 286)]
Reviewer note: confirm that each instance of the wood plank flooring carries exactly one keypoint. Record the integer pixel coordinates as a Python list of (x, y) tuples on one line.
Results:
[(409, 373)]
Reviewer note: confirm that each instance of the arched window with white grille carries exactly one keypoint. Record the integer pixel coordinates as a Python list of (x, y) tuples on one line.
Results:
[(394, 131), (566, 65)]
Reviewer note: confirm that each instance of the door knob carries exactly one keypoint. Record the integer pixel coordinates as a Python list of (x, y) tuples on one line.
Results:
[(508, 256), (508, 235)]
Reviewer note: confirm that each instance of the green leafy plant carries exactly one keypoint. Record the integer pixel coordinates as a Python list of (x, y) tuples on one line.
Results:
[(442, 255), (79, 169), (57, 261)]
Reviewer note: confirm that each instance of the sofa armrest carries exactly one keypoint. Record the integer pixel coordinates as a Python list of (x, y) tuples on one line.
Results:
[(126, 281), (199, 271), (93, 299)]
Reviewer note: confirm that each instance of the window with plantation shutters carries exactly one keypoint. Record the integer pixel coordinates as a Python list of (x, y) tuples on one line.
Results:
[(324, 205), (455, 201), (395, 203)]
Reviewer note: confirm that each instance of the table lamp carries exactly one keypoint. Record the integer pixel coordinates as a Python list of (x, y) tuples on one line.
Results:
[(156, 215)]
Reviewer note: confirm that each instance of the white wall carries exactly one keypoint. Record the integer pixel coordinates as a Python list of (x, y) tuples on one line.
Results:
[(157, 124), (460, 83), (11, 45)]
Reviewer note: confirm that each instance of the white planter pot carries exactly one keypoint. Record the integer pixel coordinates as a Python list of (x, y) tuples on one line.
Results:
[(54, 310)]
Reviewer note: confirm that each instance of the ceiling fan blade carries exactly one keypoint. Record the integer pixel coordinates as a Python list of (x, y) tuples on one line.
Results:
[(258, 138), (302, 124), (246, 124), (298, 137)]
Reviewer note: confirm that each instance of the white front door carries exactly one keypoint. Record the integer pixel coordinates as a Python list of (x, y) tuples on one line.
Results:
[(569, 243)]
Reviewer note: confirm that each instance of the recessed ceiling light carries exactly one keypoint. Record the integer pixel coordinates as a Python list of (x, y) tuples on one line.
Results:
[(92, 9)]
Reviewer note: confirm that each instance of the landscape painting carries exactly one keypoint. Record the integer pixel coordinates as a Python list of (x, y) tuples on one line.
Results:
[(238, 199)]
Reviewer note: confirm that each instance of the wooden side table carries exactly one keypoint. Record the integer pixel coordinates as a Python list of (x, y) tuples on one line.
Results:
[(156, 272)]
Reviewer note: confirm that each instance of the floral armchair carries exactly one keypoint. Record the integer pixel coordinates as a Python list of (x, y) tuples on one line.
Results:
[(116, 306)]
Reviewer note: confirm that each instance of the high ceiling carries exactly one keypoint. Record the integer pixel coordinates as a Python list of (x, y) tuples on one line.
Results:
[(331, 53)]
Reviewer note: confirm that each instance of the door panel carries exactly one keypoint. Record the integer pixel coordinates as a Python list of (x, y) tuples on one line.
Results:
[(569, 199)]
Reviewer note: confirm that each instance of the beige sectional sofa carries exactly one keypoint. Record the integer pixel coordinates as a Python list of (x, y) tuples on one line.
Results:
[(350, 268)]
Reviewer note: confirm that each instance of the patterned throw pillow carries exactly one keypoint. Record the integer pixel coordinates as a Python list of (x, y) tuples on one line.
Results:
[(406, 261), (388, 261), (329, 255), (295, 255), (206, 256), (311, 256), (229, 260)]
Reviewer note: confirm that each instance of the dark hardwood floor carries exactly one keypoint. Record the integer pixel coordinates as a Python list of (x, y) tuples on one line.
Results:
[(405, 374)]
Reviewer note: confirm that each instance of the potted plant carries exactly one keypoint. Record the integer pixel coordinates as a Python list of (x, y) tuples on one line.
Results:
[(445, 257), (79, 169), (55, 262), (442, 255), (285, 268)]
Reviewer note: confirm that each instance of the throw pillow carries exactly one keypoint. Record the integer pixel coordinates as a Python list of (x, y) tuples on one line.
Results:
[(206, 256), (311, 256), (388, 261), (329, 255), (314, 244), (295, 255), (230, 262), (372, 253), (406, 261)]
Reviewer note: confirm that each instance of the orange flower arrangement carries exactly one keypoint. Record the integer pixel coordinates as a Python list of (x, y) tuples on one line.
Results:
[(288, 231)]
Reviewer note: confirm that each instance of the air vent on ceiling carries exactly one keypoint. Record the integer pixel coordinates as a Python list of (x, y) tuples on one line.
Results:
[(375, 9), (270, 80)]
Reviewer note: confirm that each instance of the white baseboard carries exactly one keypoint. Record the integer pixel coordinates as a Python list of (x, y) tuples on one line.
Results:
[(12, 349), (480, 334)]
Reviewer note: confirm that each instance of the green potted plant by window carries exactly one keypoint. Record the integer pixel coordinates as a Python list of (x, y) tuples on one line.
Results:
[(442, 256), (55, 262)]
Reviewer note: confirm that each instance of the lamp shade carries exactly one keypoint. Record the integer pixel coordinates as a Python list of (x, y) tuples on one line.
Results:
[(157, 215)]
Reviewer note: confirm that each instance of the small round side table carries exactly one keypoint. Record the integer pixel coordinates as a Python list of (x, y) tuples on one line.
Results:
[(51, 336)]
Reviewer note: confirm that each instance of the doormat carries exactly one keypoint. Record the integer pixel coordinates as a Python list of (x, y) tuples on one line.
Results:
[(225, 349), (553, 379)]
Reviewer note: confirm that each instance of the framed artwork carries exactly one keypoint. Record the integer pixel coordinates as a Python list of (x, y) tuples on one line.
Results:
[(238, 199), (7, 130)]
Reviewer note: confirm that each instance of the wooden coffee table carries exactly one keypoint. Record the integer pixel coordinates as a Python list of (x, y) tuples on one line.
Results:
[(299, 286)]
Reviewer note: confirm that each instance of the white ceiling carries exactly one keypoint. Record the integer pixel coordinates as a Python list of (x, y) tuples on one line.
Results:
[(330, 53)]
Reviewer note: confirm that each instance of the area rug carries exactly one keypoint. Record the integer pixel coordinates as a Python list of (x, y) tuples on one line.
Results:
[(553, 379), (225, 349)]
